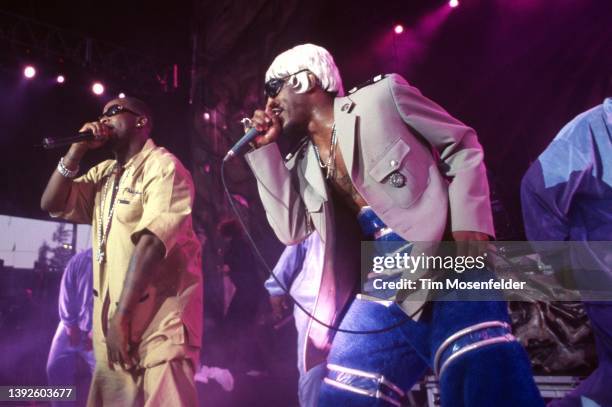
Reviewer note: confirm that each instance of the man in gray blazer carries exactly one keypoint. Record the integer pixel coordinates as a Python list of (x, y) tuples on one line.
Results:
[(384, 163)]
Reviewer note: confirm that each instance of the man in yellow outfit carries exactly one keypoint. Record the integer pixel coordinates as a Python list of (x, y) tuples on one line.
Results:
[(147, 282)]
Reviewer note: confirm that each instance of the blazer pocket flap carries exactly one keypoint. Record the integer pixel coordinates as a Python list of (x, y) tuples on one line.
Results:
[(391, 161)]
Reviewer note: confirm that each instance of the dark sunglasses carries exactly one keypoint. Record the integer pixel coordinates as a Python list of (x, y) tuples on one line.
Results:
[(273, 87), (115, 110)]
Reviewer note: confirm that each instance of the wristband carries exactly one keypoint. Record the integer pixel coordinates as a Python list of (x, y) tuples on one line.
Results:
[(61, 168)]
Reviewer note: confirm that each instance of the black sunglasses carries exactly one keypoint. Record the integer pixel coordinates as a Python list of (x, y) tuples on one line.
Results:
[(115, 110), (273, 87)]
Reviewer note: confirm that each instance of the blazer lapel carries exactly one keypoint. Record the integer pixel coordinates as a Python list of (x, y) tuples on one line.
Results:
[(345, 129), (313, 173)]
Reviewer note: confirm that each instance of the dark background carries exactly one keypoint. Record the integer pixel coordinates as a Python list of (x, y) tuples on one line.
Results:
[(514, 70)]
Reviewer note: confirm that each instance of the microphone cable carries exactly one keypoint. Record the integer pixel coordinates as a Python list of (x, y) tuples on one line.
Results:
[(262, 261)]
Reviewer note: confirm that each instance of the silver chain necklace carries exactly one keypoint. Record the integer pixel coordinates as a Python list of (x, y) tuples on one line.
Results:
[(330, 165), (103, 231)]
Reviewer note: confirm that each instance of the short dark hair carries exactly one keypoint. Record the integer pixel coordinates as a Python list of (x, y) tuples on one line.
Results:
[(140, 107)]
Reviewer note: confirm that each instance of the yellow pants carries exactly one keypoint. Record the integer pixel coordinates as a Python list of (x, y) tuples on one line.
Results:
[(164, 376), (167, 360), (167, 384)]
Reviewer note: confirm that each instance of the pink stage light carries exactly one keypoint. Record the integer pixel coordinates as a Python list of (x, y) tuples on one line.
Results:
[(60, 79), (97, 88), (29, 72), (398, 29), (453, 3), (121, 95)]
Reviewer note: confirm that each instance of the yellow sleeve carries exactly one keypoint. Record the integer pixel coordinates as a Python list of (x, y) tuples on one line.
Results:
[(79, 206)]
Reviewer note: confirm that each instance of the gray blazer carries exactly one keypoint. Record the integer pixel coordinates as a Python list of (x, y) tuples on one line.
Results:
[(383, 128)]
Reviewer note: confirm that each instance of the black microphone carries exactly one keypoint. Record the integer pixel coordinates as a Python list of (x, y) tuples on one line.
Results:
[(49, 142), (241, 144)]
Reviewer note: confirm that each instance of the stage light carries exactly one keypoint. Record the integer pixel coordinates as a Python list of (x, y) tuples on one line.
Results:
[(453, 3), (398, 29), (121, 95), (206, 116), (60, 79), (97, 88), (29, 72)]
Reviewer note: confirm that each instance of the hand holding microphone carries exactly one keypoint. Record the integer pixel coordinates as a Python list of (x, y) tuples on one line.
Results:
[(268, 126), (94, 133), (265, 128), (101, 133), (91, 136)]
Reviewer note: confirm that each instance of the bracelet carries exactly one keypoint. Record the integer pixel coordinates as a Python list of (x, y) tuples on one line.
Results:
[(61, 168)]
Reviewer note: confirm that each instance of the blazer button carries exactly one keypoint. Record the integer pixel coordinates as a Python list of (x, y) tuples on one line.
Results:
[(393, 163), (397, 180)]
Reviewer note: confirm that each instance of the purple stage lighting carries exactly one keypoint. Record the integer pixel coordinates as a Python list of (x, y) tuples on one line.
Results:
[(60, 79), (97, 88), (453, 3), (29, 72), (398, 29)]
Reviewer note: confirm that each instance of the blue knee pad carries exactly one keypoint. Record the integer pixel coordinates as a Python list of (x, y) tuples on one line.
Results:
[(476, 358)]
